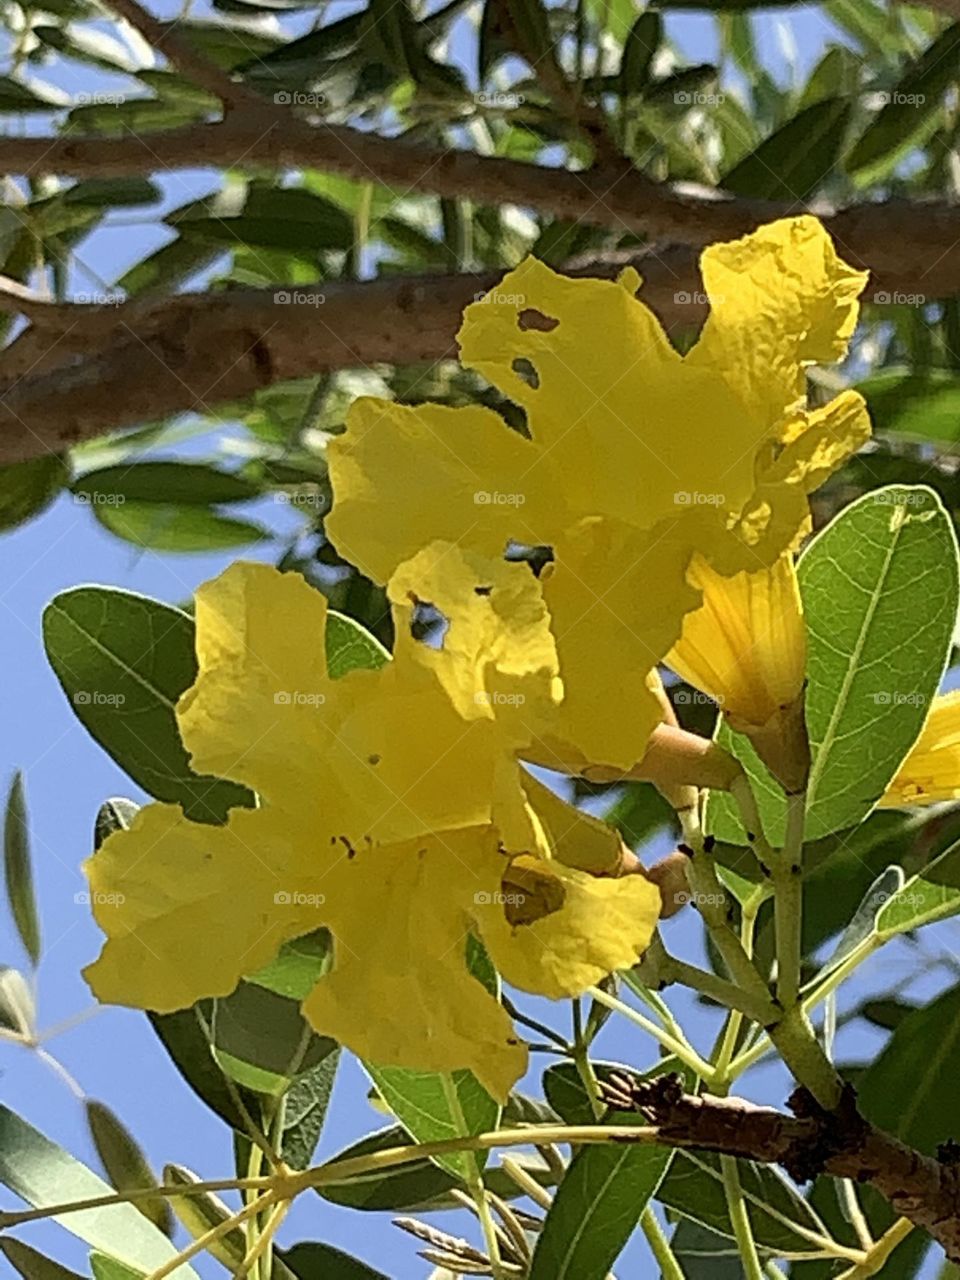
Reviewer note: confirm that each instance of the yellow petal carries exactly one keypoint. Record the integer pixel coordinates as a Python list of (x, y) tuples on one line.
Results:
[(780, 299), (745, 647), (189, 909), (262, 679), (569, 835), (400, 993), (575, 931), (405, 477), (931, 772)]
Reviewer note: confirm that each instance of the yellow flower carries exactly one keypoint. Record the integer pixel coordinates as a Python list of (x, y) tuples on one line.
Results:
[(634, 458), (391, 811), (746, 647), (931, 772)]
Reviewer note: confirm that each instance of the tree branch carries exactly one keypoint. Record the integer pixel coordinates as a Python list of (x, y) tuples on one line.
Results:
[(925, 1189)]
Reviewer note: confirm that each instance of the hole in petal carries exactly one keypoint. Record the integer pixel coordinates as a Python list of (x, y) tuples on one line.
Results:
[(536, 556), (530, 318), (522, 367), (530, 891)]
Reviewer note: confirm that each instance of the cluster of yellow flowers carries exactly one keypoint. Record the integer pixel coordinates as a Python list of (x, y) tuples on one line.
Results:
[(394, 807)]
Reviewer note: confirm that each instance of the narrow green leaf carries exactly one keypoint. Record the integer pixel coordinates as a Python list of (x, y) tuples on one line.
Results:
[(924, 404), (169, 482), (795, 160), (18, 871), (645, 38), (910, 112), (32, 1265), (165, 526), (125, 1164), (932, 895), (43, 1174), (17, 1006), (312, 1261), (28, 488), (104, 1267)]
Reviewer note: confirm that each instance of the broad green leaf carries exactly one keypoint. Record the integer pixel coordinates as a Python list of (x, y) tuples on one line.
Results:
[(123, 661), (925, 404), (30, 1264), (18, 871), (261, 1039), (169, 482), (910, 112), (125, 1164), (307, 1101), (183, 1036), (312, 1261), (922, 1051), (163, 526), (704, 1255), (596, 1208), (43, 1174), (100, 193), (433, 1107), (932, 895), (27, 488), (638, 813), (880, 591), (693, 1187), (795, 160), (836, 75), (298, 967)]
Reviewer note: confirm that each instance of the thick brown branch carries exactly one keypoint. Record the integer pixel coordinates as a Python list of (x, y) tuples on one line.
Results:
[(842, 1144)]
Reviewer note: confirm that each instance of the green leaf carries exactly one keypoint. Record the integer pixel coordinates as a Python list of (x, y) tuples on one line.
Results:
[(932, 895), (125, 1164), (911, 111), (597, 1207), (298, 966), (836, 75), (925, 404), (261, 1040), (165, 526), (43, 1174), (307, 1101), (880, 594), (32, 1265), (704, 1255), (98, 193), (645, 38), (693, 1187), (164, 482), (17, 1004), (16, 97), (183, 1037), (923, 1051), (27, 488), (106, 1268), (276, 218), (18, 871), (123, 661), (311, 1261), (795, 160)]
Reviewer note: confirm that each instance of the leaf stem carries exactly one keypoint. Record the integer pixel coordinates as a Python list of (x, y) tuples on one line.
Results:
[(739, 1218), (670, 1268), (681, 1049), (473, 1177), (788, 902)]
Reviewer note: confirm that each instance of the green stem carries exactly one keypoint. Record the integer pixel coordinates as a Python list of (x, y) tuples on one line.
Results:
[(681, 1049), (670, 1268), (473, 1177), (731, 1031), (788, 903), (743, 1232)]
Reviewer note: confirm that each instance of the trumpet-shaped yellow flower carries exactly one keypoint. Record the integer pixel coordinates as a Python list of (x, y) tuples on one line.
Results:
[(746, 647), (635, 457), (931, 772), (391, 811)]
